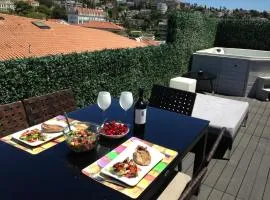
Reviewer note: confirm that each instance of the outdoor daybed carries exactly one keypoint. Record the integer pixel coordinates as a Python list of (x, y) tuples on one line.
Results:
[(221, 112)]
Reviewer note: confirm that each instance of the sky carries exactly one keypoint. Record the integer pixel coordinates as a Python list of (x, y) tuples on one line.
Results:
[(232, 4)]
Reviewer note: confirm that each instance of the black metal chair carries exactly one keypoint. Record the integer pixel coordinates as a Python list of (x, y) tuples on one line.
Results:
[(171, 99), (193, 186)]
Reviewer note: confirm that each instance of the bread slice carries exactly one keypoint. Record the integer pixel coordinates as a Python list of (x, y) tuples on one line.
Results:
[(51, 128)]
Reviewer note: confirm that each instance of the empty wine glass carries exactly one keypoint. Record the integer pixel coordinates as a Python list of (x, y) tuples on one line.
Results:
[(104, 101), (126, 100)]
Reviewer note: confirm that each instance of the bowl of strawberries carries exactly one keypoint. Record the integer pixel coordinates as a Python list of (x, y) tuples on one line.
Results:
[(114, 130)]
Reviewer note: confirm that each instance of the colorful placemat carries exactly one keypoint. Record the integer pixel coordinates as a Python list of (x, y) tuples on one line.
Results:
[(41, 148), (134, 192)]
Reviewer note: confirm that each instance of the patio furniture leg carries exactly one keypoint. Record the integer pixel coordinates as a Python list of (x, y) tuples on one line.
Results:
[(199, 158), (245, 121), (212, 87), (180, 166), (228, 152)]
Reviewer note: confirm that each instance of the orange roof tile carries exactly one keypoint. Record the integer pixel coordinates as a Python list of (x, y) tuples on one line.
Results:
[(150, 42), (102, 25), (19, 38)]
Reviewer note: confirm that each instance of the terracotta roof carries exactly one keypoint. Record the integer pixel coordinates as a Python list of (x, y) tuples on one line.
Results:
[(20, 38), (102, 25), (61, 21), (150, 42)]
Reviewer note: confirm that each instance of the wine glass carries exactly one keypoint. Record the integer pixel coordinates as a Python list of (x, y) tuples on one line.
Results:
[(126, 101), (104, 101)]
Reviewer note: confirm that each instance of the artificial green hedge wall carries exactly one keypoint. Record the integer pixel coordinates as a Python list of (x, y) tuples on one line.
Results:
[(193, 31), (111, 70), (89, 73), (246, 34)]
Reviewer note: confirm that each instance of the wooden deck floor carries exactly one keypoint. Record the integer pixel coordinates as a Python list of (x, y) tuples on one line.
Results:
[(246, 175)]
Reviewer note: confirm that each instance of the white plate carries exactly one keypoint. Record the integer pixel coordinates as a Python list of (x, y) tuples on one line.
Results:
[(156, 157), (49, 136), (113, 136)]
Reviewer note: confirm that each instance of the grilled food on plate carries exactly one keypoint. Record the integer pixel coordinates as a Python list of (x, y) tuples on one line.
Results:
[(142, 156), (127, 168), (51, 128)]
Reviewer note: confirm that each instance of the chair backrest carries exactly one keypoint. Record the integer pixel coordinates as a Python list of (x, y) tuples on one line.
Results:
[(193, 185), (196, 181), (42, 108), (172, 99), (12, 118)]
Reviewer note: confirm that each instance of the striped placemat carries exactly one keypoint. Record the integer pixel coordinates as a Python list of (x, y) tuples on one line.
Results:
[(133, 192)]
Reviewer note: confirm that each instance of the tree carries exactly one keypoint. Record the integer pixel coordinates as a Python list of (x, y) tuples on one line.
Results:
[(48, 3), (36, 15), (59, 13), (89, 3), (44, 9), (23, 8), (254, 13), (265, 15)]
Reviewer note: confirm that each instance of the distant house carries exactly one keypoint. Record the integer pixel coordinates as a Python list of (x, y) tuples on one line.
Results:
[(149, 41), (32, 2), (67, 4), (162, 7), (107, 26), (161, 32), (79, 15), (6, 5)]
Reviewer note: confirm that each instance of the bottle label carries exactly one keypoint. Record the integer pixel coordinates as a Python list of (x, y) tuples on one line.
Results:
[(140, 116)]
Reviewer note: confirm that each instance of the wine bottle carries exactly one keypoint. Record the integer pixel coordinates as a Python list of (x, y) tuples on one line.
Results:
[(140, 114)]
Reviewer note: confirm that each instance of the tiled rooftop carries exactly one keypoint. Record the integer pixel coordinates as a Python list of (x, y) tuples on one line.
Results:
[(246, 175), (20, 38)]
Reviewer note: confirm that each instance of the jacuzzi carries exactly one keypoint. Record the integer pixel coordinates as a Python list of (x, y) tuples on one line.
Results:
[(236, 69)]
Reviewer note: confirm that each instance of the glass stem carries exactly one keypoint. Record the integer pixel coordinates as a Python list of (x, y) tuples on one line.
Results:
[(103, 115)]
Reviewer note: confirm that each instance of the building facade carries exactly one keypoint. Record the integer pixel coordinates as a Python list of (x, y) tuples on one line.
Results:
[(32, 3), (68, 4), (6, 5), (79, 15), (162, 7)]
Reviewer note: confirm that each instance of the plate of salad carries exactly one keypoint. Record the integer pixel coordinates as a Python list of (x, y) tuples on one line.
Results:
[(34, 136)]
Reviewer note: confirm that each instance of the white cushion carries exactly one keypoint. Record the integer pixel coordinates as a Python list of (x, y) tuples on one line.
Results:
[(181, 83), (267, 90), (220, 112), (176, 187)]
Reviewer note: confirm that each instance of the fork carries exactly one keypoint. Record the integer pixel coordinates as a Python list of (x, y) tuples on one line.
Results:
[(98, 177)]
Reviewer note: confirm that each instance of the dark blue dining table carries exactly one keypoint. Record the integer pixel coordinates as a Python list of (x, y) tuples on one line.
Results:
[(56, 172)]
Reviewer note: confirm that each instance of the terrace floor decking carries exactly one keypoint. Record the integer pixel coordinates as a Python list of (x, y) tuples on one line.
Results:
[(246, 175)]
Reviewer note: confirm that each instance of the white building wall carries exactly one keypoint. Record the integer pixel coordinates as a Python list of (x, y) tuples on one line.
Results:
[(79, 19), (6, 5)]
